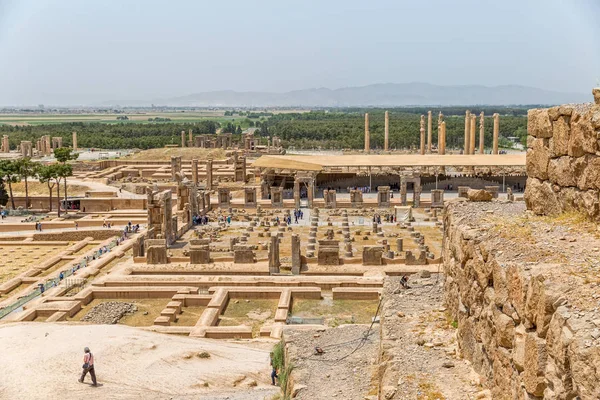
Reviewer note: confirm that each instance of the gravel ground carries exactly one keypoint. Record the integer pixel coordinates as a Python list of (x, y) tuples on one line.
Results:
[(418, 345), (346, 368), (109, 313)]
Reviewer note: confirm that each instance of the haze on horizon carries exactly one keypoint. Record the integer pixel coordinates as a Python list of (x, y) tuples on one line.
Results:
[(68, 52)]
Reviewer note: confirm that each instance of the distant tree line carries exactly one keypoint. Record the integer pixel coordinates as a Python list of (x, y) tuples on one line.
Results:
[(330, 129), (110, 136), (345, 130)]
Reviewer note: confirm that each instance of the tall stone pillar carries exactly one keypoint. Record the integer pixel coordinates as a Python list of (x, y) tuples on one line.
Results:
[(422, 131), (467, 131), (496, 133), (296, 255), (386, 137), (429, 132), (5, 145), (74, 141), (473, 127), (209, 175), (481, 133), (182, 138), (296, 194), (274, 262), (442, 134), (367, 134), (439, 143), (310, 193), (195, 171), (191, 138)]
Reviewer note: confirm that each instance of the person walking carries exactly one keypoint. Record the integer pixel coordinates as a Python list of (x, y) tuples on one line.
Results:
[(88, 366), (273, 370)]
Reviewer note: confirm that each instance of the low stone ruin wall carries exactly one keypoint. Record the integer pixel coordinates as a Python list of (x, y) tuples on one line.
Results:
[(563, 159), (518, 322), (75, 236)]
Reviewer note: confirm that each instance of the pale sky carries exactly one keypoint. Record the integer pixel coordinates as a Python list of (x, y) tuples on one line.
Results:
[(89, 51)]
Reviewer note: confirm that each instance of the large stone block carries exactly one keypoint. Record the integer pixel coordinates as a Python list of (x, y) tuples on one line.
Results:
[(156, 251), (540, 198), (243, 254), (479, 195), (538, 123), (559, 143), (328, 256), (538, 157), (583, 136), (536, 357), (561, 171), (372, 255), (587, 172)]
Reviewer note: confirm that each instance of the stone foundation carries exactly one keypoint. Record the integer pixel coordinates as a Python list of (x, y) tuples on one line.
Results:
[(520, 323), (563, 165)]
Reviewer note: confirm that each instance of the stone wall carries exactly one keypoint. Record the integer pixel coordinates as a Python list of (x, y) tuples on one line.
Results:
[(520, 323), (75, 236), (563, 159)]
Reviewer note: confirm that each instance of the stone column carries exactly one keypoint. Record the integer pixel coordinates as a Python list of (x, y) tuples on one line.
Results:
[(274, 262), (429, 132), (182, 138), (367, 134), (296, 194), (386, 137), (442, 141), (422, 131), (440, 119), (296, 254), (74, 141), (310, 193), (467, 131), (481, 133), (496, 133), (195, 171), (191, 138), (5, 145), (209, 177), (473, 126)]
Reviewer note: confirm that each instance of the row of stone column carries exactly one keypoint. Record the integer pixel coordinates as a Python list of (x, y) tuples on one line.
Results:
[(426, 140), (470, 133)]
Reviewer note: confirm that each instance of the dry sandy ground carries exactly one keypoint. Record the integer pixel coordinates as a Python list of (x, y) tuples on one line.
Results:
[(43, 360)]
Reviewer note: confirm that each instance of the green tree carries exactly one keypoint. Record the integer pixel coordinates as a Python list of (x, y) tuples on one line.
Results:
[(10, 173), (27, 169), (64, 155), (49, 175), (3, 193)]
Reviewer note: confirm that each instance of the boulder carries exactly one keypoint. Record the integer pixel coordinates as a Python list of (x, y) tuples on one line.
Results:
[(538, 123), (479, 195)]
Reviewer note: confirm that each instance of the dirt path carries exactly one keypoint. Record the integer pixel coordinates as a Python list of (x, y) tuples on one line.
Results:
[(43, 360), (344, 371), (419, 358)]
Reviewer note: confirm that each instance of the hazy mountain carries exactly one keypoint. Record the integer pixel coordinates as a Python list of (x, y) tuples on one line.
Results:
[(385, 94)]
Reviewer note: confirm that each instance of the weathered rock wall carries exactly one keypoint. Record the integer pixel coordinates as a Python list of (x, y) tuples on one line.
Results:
[(516, 319), (563, 159)]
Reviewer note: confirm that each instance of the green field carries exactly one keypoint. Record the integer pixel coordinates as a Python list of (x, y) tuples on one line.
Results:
[(134, 118)]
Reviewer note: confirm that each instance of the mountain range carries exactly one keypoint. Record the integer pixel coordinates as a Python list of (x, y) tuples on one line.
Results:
[(384, 94)]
